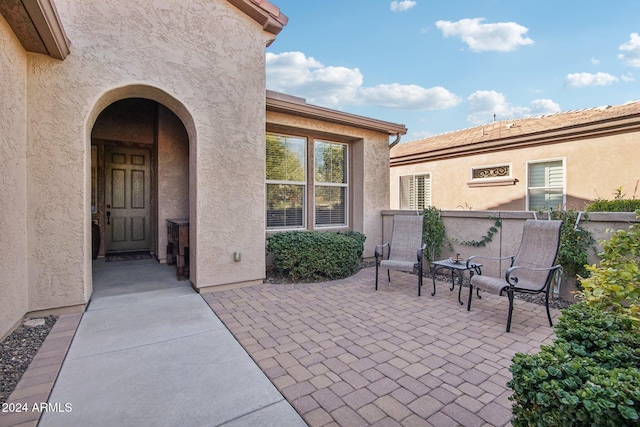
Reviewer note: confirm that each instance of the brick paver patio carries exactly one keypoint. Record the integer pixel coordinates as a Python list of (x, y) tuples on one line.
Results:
[(343, 354)]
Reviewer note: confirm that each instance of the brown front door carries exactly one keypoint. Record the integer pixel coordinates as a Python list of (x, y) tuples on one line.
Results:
[(127, 199)]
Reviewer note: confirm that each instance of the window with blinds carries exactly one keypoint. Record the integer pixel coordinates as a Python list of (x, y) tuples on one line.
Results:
[(305, 176), (330, 183), (546, 185), (286, 181), (415, 192)]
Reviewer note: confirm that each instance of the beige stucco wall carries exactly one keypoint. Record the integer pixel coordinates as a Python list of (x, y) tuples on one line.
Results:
[(179, 54), (369, 151), (172, 176), (13, 161), (594, 168)]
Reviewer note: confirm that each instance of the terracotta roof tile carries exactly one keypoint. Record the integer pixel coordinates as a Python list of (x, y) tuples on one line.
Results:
[(507, 131), (273, 10), (264, 12)]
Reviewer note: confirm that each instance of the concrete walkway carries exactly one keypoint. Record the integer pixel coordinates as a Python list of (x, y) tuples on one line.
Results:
[(150, 352)]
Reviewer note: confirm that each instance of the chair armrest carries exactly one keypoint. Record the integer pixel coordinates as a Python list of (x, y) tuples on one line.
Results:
[(420, 252), (477, 257), (513, 281), (379, 250)]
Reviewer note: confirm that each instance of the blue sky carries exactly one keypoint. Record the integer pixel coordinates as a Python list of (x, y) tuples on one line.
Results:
[(441, 66)]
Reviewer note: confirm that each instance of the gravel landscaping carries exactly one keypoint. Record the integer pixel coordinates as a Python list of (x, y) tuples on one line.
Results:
[(18, 349)]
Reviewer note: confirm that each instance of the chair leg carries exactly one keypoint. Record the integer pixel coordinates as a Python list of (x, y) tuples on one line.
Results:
[(470, 296), (510, 295), (419, 281), (377, 276), (548, 312), (389, 275)]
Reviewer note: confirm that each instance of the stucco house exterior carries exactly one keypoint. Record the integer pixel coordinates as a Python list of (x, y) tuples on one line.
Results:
[(563, 160), (160, 104)]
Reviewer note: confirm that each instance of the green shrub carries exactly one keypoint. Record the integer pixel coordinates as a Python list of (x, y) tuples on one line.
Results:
[(615, 284), (589, 376), (604, 336), (575, 242), (617, 205), (306, 255), (434, 233)]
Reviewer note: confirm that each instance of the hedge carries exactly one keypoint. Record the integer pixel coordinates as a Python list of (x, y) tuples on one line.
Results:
[(589, 376), (313, 255), (616, 205)]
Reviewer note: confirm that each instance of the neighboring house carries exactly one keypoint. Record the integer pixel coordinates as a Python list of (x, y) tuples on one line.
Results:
[(563, 160), (145, 104)]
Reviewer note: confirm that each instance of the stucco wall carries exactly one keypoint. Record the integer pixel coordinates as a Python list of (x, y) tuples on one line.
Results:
[(369, 172), (13, 200), (172, 175), (204, 59), (594, 168)]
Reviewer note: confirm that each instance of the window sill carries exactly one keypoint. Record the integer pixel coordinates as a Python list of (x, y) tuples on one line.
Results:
[(497, 182)]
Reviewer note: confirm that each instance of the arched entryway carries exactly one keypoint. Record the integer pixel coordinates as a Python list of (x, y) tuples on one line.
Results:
[(140, 173)]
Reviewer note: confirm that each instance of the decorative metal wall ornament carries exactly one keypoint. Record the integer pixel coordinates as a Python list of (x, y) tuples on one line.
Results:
[(491, 172)]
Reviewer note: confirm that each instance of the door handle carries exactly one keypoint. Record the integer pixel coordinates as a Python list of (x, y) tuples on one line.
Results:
[(108, 215)]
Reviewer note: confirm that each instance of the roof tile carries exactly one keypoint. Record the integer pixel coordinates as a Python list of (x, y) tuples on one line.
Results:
[(516, 128)]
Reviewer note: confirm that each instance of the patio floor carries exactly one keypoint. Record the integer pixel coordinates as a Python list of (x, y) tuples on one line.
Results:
[(343, 354)]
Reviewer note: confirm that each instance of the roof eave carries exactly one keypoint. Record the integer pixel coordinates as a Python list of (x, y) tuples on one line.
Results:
[(595, 129), (37, 26), (264, 13), (282, 103)]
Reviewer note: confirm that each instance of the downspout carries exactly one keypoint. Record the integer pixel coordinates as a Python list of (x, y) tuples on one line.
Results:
[(396, 141)]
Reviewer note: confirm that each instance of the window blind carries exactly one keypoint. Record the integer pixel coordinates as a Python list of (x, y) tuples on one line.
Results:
[(286, 181), (331, 183), (546, 185), (415, 192)]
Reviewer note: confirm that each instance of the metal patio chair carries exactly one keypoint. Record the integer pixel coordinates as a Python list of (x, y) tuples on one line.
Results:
[(404, 253), (531, 270)]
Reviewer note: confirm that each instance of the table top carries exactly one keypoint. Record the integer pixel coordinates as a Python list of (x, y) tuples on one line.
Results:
[(179, 221), (458, 265)]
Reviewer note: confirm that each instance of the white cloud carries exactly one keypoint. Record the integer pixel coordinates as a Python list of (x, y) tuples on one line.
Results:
[(296, 74), (501, 36), (541, 107), (483, 104), (589, 79), (410, 97), (631, 50), (595, 61), (627, 77), (402, 6)]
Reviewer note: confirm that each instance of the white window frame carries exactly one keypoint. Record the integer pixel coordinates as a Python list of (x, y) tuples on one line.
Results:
[(312, 176), (563, 160), (427, 199), (304, 184)]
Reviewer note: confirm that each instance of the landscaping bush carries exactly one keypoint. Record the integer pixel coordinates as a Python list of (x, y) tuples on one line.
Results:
[(617, 205), (590, 375), (313, 255), (433, 233), (575, 242), (615, 284)]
